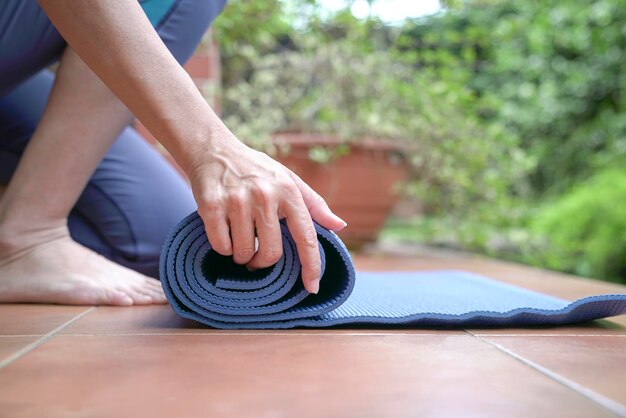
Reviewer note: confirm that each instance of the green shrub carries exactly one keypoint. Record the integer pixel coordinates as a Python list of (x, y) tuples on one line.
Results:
[(586, 229), (552, 71)]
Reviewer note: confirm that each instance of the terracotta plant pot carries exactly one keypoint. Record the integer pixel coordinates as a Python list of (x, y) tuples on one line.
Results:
[(360, 186)]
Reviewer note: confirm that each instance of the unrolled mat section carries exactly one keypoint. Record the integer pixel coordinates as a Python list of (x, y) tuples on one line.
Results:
[(209, 288)]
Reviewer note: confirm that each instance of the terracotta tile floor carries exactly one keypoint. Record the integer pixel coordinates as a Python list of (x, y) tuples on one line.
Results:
[(60, 361)]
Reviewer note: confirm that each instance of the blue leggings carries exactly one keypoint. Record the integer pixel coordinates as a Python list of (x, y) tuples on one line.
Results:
[(134, 197)]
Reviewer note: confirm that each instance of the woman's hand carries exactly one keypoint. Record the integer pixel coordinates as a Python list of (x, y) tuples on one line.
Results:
[(240, 191)]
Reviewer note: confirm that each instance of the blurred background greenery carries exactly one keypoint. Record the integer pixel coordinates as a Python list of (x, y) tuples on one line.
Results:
[(512, 111)]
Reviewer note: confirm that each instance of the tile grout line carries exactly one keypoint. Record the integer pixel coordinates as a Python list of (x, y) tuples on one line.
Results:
[(329, 333), (30, 347), (234, 334), (355, 334), (548, 335), (83, 334), (19, 335), (599, 399)]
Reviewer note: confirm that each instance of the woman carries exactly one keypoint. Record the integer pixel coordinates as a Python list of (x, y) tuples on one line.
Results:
[(87, 203)]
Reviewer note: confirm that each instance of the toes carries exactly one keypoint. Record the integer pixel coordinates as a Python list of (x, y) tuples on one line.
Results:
[(139, 295), (157, 295), (117, 298), (155, 290), (159, 298), (142, 299), (154, 285), (88, 294), (147, 292)]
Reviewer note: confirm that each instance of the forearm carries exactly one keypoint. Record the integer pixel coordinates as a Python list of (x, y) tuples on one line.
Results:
[(123, 49)]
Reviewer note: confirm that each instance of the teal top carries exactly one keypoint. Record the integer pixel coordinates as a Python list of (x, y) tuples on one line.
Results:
[(156, 9)]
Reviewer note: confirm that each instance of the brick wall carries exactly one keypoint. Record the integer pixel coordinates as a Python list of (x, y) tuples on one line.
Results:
[(205, 70)]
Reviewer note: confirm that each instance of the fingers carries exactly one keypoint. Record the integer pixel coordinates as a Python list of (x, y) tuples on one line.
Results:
[(244, 197), (216, 226), (303, 232), (241, 229), (317, 207), (270, 240)]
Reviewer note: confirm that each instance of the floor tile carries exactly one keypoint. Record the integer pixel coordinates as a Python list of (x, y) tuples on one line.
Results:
[(161, 319), (11, 345), (596, 362), (133, 320), (281, 376), (24, 319)]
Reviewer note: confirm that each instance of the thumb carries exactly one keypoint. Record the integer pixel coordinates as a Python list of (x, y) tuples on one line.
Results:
[(317, 206)]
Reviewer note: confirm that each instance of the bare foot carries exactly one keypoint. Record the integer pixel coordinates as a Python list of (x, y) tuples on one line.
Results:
[(63, 271)]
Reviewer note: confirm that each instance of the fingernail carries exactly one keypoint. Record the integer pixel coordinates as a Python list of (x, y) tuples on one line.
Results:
[(341, 220), (344, 224), (314, 286), (250, 269)]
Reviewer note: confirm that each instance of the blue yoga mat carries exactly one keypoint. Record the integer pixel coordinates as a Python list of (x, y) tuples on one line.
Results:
[(209, 288)]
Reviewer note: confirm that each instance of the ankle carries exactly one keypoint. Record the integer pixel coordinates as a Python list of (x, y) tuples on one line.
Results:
[(17, 237)]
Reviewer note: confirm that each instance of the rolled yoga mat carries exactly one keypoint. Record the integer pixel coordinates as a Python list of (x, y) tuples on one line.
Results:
[(209, 288)]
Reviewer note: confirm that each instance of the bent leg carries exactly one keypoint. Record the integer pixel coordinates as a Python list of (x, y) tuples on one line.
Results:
[(133, 200), (80, 108), (39, 262), (135, 197)]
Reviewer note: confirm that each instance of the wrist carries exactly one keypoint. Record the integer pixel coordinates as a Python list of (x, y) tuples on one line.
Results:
[(184, 124), (211, 140)]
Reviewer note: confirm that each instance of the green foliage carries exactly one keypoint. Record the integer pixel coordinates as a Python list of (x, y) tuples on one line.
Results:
[(246, 28), (585, 230), (559, 70), (554, 72)]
